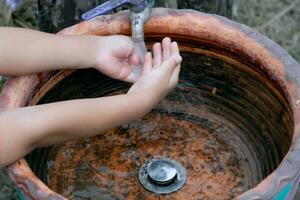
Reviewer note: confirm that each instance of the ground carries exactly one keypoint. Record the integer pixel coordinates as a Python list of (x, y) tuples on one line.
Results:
[(278, 19)]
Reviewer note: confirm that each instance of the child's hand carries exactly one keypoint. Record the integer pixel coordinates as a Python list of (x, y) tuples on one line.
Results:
[(160, 74), (112, 55), (116, 56)]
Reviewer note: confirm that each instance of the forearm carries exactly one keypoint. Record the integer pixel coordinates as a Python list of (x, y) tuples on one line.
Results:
[(24, 51), (27, 128), (88, 117)]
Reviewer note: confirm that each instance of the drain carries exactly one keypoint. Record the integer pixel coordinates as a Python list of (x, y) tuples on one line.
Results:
[(162, 175)]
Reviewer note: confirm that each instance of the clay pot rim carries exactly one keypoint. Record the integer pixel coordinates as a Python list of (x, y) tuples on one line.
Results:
[(273, 60)]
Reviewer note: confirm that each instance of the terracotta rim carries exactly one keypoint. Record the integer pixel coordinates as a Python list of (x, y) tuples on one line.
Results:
[(276, 63)]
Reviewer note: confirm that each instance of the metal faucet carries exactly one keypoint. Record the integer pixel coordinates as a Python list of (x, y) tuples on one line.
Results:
[(139, 14)]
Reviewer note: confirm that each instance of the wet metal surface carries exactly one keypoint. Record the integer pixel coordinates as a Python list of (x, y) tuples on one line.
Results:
[(204, 124), (99, 168)]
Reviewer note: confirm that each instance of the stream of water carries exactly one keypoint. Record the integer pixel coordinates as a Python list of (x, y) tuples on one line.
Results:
[(141, 50)]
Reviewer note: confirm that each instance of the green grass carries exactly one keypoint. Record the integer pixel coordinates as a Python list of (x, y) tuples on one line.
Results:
[(278, 19), (7, 189), (22, 17)]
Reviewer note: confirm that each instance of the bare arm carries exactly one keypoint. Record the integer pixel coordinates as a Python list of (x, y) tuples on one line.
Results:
[(38, 126), (27, 128), (24, 51)]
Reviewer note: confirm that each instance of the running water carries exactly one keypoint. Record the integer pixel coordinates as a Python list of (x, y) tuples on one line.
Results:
[(140, 48)]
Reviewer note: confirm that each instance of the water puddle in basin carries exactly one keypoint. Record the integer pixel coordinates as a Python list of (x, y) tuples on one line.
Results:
[(106, 166)]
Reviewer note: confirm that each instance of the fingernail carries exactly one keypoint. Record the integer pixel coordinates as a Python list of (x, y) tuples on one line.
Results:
[(167, 39), (156, 45)]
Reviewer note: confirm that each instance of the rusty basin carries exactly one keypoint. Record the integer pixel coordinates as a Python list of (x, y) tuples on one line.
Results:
[(232, 121)]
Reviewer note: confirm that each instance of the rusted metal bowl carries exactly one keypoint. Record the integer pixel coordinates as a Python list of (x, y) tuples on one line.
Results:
[(233, 120)]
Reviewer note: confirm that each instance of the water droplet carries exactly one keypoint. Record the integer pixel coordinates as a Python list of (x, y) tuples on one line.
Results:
[(214, 90), (141, 50)]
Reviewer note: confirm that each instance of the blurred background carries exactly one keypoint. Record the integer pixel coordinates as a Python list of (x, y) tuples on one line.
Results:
[(278, 19)]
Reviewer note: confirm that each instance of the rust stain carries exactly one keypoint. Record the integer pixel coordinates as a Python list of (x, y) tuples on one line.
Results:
[(111, 161)]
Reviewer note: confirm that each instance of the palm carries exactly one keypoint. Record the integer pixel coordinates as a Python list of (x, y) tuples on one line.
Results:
[(119, 59), (160, 73), (123, 68)]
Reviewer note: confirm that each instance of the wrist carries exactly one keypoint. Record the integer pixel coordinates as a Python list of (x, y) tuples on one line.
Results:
[(146, 100), (88, 46), (81, 51)]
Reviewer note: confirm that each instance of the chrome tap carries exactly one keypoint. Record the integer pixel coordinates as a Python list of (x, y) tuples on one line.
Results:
[(139, 14)]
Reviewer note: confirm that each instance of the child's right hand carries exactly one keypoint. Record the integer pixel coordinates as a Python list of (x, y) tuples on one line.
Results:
[(160, 73)]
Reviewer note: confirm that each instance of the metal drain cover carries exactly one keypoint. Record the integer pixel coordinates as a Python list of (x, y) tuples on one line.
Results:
[(162, 175)]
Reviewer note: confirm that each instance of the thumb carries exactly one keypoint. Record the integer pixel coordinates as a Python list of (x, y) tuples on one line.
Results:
[(122, 52), (134, 59)]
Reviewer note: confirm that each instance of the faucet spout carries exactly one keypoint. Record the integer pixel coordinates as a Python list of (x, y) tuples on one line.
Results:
[(138, 20), (140, 10), (135, 6)]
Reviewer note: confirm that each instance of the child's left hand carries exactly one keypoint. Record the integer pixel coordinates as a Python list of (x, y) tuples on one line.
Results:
[(115, 57)]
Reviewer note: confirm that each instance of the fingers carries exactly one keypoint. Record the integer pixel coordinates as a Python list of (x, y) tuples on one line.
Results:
[(174, 50), (165, 55), (137, 70), (170, 64), (166, 43), (175, 75), (148, 63), (124, 46), (131, 76), (172, 57), (134, 59), (163, 52), (157, 54)]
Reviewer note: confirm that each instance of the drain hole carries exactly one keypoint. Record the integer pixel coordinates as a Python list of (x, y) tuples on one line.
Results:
[(162, 175)]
